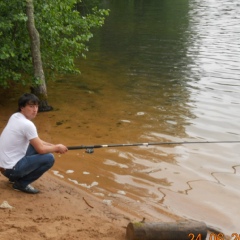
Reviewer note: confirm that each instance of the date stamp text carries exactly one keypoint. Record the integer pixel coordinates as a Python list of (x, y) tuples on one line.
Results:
[(213, 236)]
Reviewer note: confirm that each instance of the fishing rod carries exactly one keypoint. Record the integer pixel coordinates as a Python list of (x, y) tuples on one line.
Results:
[(90, 148)]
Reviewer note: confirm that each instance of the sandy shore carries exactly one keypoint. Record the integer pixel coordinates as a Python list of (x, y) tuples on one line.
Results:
[(60, 211)]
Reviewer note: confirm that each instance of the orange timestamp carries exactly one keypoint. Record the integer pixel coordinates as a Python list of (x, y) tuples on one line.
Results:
[(213, 236)]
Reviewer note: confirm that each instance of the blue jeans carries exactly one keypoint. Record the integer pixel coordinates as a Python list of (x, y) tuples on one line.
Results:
[(30, 167)]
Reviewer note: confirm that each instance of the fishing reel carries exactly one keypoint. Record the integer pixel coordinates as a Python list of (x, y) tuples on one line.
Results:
[(89, 150)]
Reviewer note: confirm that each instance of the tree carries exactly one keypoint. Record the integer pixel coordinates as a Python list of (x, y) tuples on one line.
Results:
[(38, 73), (62, 30)]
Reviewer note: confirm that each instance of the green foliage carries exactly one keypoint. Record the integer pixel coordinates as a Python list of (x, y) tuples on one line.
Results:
[(13, 44), (64, 33)]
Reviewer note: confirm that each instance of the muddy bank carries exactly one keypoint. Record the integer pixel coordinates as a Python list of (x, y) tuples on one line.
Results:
[(60, 211)]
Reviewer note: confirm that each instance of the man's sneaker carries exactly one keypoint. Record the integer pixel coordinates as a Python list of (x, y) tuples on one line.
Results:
[(27, 189)]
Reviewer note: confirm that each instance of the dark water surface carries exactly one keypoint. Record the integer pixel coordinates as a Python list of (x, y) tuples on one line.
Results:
[(158, 71)]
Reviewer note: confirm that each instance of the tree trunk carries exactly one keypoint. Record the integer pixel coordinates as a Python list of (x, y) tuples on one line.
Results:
[(39, 86)]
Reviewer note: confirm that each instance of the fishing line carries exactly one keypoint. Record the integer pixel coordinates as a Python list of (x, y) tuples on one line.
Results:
[(90, 148)]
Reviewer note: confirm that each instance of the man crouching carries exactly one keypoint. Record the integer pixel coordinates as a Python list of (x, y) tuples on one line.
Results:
[(24, 157)]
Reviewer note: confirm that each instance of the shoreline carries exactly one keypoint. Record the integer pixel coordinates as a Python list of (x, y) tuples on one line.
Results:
[(60, 211)]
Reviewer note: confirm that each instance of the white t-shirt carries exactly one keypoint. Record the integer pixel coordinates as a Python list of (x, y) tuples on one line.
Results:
[(15, 138)]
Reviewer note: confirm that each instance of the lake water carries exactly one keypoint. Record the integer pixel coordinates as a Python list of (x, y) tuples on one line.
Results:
[(158, 71)]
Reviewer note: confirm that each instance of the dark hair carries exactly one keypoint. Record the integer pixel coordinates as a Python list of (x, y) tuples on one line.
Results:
[(27, 98)]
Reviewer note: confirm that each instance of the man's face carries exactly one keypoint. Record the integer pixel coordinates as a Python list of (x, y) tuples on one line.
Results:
[(30, 111)]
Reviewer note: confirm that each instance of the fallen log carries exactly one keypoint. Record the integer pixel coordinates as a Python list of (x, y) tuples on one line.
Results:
[(187, 230)]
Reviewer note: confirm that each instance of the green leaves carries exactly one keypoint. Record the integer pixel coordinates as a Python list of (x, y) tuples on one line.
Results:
[(6, 52), (14, 44), (64, 33)]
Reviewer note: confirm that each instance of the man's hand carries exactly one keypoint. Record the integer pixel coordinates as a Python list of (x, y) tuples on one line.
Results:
[(61, 148), (43, 147)]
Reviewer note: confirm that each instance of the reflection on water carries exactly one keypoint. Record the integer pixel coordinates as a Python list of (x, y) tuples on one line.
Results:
[(157, 71)]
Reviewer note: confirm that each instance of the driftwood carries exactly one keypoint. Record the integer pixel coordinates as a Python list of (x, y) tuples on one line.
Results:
[(186, 230)]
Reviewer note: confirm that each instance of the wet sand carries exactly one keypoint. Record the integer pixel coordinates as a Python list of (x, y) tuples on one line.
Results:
[(60, 211)]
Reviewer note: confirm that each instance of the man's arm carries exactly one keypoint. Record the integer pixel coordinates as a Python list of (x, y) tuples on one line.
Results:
[(46, 143), (43, 147)]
